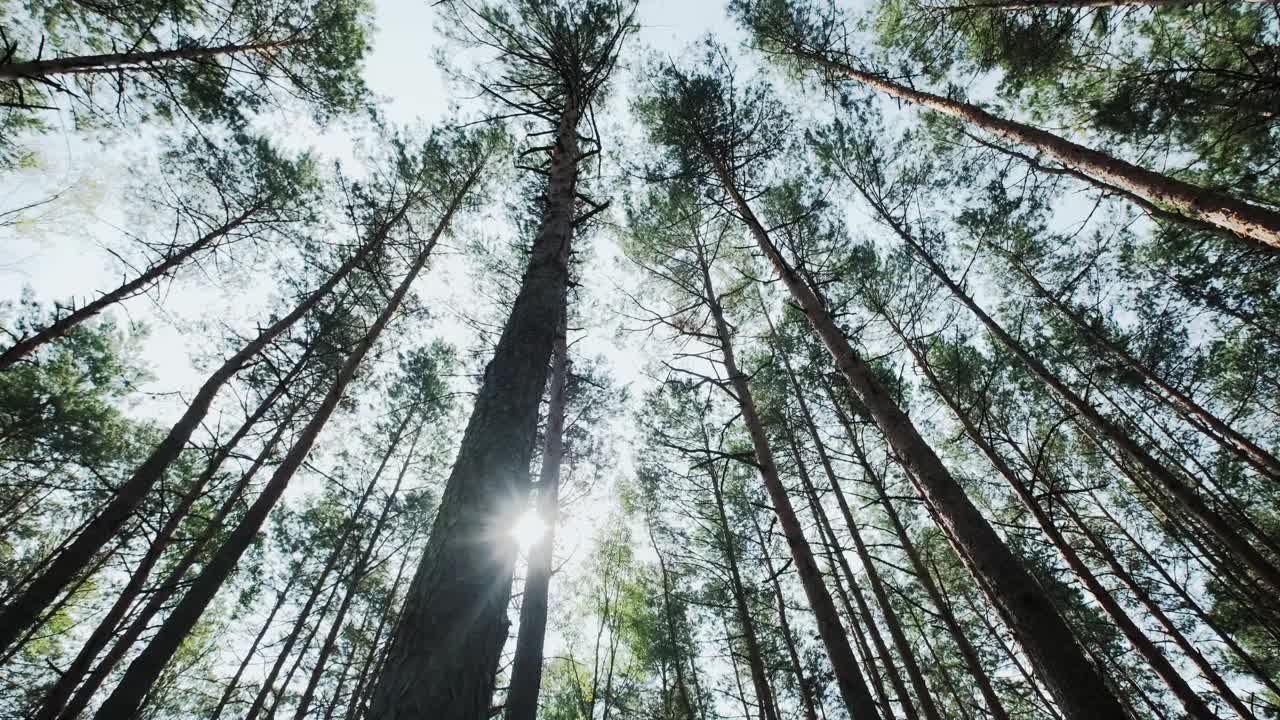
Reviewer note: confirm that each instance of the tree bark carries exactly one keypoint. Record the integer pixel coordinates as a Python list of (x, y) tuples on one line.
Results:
[(146, 668), (72, 560), (234, 683), (116, 62), (852, 688), (673, 635), (444, 654), (1235, 216), (1040, 630), (526, 669), (358, 694)]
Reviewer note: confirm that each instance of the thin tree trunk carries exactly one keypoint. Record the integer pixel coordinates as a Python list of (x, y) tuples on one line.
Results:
[(1041, 631), (358, 571), (755, 659), (63, 689), (1189, 699), (115, 62), (797, 668), (1173, 484), (526, 669), (853, 690), (171, 584), (1068, 4), (65, 324), (670, 622), (923, 696), (72, 560), (146, 668), (269, 688), (444, 654), (1212, 426), (1240, 218), (828, 533), (375, 647), (232, 685)]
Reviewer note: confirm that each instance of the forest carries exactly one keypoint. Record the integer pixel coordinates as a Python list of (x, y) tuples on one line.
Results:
[(640, 359)]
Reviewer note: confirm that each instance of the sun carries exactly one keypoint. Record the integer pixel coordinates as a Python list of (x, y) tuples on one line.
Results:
[(528, 529)]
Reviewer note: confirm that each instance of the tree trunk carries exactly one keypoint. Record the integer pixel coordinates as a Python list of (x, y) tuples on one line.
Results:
[(797, 668), (116, 62), (24, 609), (234, 683), (853, 690), (62, 690), (923, 696), (1212, 426), (1227, 212), (64, 325), (444, 654), (146, 668), (1069, 4), (755, 659), (1190, 701), (1026, 609), (526, 669), (1173, 484), (670, 621), (358, 693), (359, 568)]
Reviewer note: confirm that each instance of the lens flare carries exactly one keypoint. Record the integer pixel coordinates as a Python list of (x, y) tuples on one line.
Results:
[(528, 529)]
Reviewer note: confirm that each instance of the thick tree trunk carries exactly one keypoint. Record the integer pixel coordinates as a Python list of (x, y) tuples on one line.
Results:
[(116, 62), (1227, 212), (146, 668), (1203, 420), (852, 688), (1176, 487), (67, 323), (1190, 701), (444, 654), (755, 659), (72, 560), (784, 625), (526, 669), (1040, 630)]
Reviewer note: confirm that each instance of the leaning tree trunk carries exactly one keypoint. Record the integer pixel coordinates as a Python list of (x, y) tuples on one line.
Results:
[(444, 654), (234, 683), (67, 323), (117, 62), (852, 688), (1190, 701), (62, 690), (1012, 5), (1199, 417), (755, 659), (74, 558), (1174, 485), (784, 625), (1022, 603), (146, 668), (526, 669), (358, 693), (1196, 203)]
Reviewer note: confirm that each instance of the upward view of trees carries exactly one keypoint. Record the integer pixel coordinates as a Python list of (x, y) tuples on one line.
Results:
[(892, 360)]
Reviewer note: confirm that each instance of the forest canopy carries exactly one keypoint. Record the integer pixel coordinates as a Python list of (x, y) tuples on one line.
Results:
[(591, 359)]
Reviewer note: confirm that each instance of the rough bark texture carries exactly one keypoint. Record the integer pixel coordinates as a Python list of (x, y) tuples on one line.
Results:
[(1197, 203), (146, 668), (445, 651), (526, 669), (1040, 630), (852, 688), (23, 611), (114, 62)]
